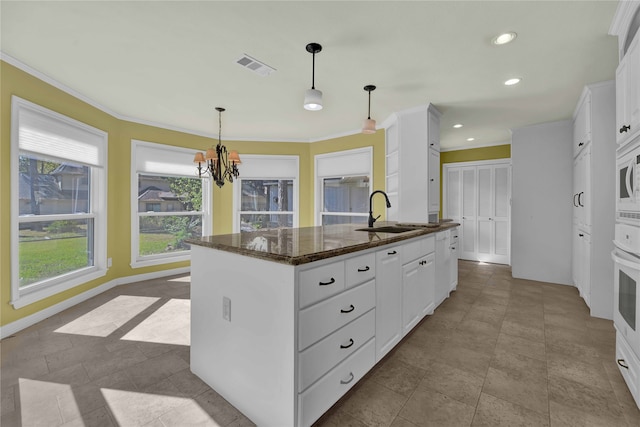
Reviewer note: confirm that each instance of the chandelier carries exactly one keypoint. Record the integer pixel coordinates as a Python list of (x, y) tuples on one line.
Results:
[(218, 163)]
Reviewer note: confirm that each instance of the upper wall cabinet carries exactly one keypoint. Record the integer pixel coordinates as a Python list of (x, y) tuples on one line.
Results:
[(582, 125), (412, 142), (625, 26)]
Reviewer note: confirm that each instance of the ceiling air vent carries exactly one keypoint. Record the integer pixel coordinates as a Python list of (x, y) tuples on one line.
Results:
[(254, 65)]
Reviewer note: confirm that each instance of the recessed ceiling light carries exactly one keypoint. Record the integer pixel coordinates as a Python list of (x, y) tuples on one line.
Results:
[(457, 125), (505, 38), (471, 139), (512, 82)]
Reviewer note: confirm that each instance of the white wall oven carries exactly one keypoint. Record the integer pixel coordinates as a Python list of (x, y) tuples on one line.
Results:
[(626, 316), (628, 187)]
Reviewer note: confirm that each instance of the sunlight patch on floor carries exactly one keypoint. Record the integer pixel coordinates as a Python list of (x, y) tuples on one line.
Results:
[(107, 318), (186, 279), (134, 409), (46, 403), (169, 324)]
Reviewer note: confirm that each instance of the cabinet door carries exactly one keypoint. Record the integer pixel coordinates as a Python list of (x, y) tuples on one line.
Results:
[(434, 131), (453, 194), (411, 292), (388, 300), (428, 289), (434, 181), (628, 93), (469, 238)]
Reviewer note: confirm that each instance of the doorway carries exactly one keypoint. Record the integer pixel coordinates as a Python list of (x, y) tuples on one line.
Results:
[(478, 196)]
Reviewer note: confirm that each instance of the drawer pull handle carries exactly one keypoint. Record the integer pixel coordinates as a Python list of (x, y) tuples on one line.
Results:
[(621, 363), (349, 380), (348, 345), (351, 308), (330, 282), (361, 270), (422, 262), (624, 128), (392, 253)]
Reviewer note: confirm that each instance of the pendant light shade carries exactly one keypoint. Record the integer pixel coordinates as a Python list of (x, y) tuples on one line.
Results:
[(313, 97), (369, 124), (313, 100)]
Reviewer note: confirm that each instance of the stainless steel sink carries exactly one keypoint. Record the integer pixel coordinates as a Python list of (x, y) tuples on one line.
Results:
[(387, 229)]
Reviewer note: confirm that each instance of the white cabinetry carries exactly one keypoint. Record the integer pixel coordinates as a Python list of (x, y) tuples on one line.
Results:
[(453, 273), (388, 299), (418, 282), (628, 94), (594, 198), (412, 145)]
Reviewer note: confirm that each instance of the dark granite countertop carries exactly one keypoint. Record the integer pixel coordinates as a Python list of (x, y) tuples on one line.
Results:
[(296, 246)]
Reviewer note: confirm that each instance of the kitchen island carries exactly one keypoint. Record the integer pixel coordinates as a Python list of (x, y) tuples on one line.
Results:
[(285, 321)]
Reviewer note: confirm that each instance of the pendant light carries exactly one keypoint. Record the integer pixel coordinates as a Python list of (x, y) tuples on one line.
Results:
[(313, 97), (369, 124), (219, 163)]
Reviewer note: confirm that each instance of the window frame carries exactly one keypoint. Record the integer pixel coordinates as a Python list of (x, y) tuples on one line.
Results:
[(71, 128), (181, 170), (347, 163), (260, 167)]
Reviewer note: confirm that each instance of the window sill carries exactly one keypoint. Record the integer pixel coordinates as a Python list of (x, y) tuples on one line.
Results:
[(148, 262), (25, 298)]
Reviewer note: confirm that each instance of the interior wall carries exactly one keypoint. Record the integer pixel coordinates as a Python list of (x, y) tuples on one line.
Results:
[(542, 180), (15, 81)]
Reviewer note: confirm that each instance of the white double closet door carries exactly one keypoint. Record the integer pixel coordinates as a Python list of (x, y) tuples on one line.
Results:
[(478, 196)]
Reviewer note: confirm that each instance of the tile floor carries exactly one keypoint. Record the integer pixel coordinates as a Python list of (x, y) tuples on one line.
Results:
[(499, 352)]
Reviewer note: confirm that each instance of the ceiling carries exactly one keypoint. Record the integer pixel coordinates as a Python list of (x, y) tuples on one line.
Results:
[(170, 63)]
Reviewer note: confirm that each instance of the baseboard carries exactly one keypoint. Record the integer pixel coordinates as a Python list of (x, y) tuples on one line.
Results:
[(25, 322)]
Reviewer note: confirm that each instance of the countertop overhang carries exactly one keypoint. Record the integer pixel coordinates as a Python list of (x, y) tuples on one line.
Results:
[(295, 246)]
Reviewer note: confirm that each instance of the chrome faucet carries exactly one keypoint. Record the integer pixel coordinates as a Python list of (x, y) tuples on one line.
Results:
[(371, 218)]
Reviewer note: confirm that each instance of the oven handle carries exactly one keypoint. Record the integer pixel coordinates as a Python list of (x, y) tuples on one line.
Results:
[(626, 263), (627, 181)]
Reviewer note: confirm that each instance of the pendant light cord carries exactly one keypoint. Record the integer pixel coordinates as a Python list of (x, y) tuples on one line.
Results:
[(369, 112), (313, 71)]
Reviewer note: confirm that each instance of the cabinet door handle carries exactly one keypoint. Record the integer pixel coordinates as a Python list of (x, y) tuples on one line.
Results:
[(351, 308), (625, 128), (349, 380), (361, 270), (621, 363), (581, 144), (330, 282), (574, 200), (580, 198), (453, 248), (422, 262), (392, 253), (431, 180), (581, 235), (348, 345)]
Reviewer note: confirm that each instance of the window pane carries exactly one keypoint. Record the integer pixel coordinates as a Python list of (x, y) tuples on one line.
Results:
[(347, 194), (49, 188), (339, 219), (51, 248), (252, 222), (169, 194), (267, 195), (165, 234)]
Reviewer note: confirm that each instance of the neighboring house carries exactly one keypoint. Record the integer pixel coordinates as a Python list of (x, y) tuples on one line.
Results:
[(154, 199)]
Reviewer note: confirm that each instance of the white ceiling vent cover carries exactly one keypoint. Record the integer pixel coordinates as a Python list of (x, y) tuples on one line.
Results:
[(254, 65)]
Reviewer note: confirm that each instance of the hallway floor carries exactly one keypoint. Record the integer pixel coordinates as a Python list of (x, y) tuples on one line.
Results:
[(499, 352)]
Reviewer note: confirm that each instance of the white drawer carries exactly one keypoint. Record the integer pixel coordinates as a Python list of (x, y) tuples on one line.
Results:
[(360, 269), (428, 245), (454, 236), (411, 251), (629, 366), (315, 361), (320, 396), (318, 321), (321, 282)]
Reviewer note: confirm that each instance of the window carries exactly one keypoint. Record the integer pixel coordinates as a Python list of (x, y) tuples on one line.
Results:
[(345, 200), (343, 186), (266, 195), (169, 203), (266, 203), (58, 202)]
